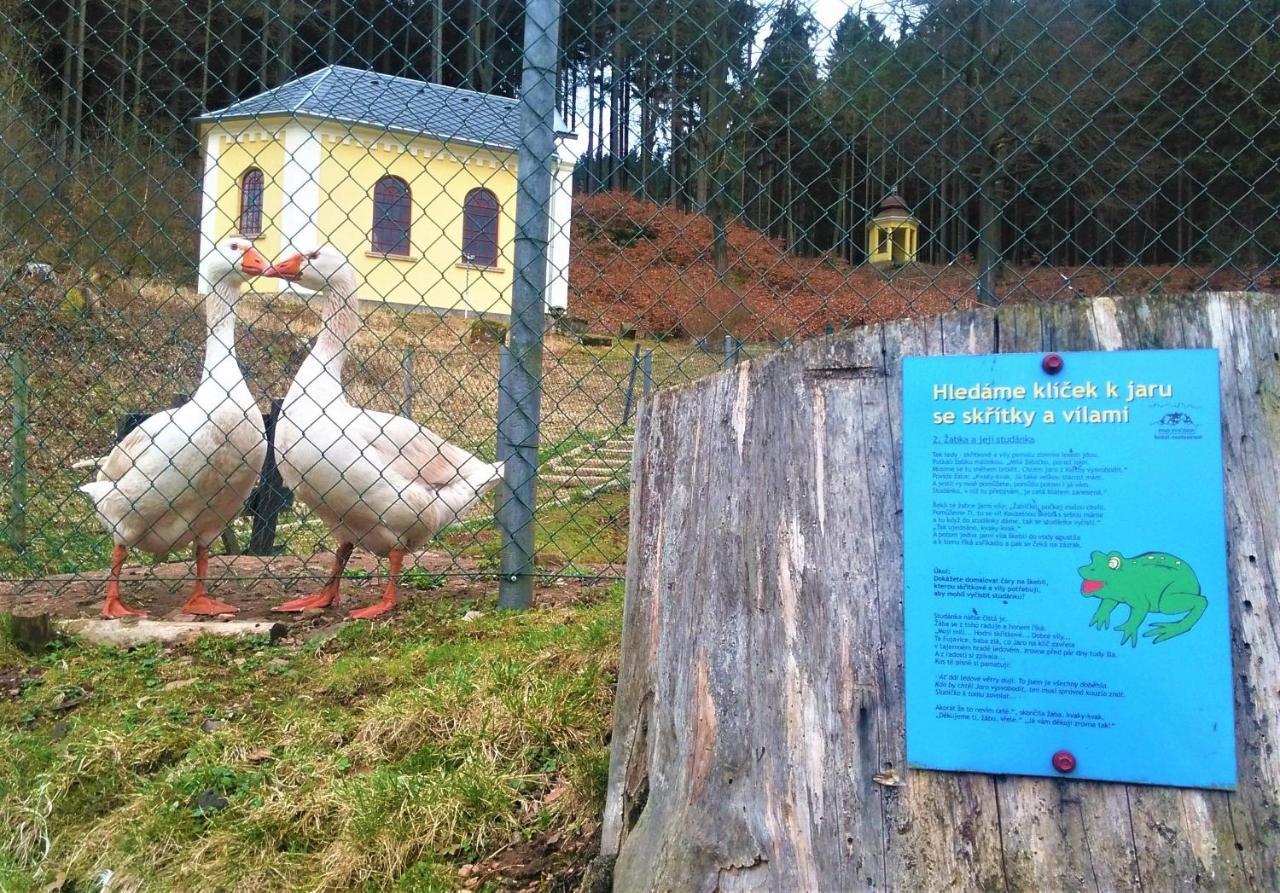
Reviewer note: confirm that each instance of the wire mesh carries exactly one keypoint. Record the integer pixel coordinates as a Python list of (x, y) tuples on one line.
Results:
[(730, 176)]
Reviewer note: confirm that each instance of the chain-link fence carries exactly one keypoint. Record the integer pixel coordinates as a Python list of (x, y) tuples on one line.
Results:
[(717, 179)]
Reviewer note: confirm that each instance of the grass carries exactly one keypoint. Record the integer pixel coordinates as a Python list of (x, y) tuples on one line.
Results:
[(586, 530), (64, 537), (384, 758), (144, 343)]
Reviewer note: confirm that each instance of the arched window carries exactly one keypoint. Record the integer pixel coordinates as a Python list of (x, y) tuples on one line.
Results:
[(251, 183), (391, 206), (480, 229)]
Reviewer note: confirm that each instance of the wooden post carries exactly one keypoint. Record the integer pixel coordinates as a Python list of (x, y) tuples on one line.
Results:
[(759, 739), (270, 497), (628, 399), (18, 451), (409, 386)]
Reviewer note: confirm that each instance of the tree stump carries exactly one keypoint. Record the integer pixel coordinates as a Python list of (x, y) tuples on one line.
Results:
[(759, 739)]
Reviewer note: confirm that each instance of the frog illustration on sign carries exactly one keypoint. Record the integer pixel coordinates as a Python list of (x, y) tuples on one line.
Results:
[(1151, 583)]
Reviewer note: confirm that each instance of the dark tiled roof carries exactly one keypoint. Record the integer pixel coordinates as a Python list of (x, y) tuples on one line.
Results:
[(352, 96)]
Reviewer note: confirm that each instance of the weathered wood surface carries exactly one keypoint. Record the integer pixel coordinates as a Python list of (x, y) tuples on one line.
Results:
[(130, 633), (761, 684)]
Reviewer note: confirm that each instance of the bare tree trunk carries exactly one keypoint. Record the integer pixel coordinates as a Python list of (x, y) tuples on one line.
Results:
[(990, 151), (646, 122), (139, 86), (472, 78), (204, 55), (617, 118), (78, 105), (122, 56), (369, 43), (69, 96), (789, 195), (331, 39), (286, 23), (264, 49), (234, 46), (592, 146), (486, 45), (437, 41)]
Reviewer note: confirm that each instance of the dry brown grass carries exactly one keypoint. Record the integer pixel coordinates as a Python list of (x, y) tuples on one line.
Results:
[(145, 343)]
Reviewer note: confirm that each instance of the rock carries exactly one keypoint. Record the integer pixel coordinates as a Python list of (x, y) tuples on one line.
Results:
[(30, 634), (277, 662), (323, 634), (37, 271), (210, 800), (209, 726), (65, 700), (76, 304)]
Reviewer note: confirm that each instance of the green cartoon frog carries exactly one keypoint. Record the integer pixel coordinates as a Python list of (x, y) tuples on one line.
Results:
[(1154, 582)]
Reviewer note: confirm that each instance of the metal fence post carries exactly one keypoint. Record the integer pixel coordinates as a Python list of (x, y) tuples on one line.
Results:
[(648, 373), (406, 369), (520, 388), (18, 452)]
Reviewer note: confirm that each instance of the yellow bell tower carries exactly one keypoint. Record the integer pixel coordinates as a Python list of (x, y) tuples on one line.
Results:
[(893, 235)]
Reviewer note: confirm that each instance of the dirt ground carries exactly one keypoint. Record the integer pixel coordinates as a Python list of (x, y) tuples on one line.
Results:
[(257, 584)]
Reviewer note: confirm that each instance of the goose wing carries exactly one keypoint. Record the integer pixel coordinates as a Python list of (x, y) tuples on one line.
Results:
[(406, 449)]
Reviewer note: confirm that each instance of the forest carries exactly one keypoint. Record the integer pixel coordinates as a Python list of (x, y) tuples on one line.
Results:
[(1019, 131)]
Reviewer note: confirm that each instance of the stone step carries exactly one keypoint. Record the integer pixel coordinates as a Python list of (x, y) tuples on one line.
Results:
[(596, 465), (603, 473), (579, 481)]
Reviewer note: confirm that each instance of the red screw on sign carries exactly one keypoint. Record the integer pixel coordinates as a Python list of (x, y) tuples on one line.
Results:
[(1064, 761), (1052, 364)]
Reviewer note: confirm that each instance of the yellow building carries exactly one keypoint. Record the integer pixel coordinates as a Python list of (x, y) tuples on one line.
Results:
[(414, 182), (893, 235)]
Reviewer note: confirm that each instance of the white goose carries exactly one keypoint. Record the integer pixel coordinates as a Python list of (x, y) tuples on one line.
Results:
[(183, 475), (380, 481)]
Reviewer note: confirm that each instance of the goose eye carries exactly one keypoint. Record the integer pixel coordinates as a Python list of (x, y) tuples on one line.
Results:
[(1114, 563)]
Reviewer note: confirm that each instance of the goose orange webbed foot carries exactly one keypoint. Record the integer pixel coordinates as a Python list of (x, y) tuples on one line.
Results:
[(325, 598), (375, 610), (388, 600), (114, 609), (201, 604)]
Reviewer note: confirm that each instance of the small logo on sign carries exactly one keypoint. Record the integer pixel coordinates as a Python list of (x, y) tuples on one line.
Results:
[(1177, 425)]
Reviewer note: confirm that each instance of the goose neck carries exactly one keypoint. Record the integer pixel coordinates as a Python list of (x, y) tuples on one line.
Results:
[(339, 322), (220, 321)]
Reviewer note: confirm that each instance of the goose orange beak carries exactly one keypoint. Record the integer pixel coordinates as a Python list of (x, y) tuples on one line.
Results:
[(252, 263), (290, 268)]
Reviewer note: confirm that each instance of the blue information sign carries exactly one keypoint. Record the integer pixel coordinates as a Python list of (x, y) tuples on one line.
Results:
[(1066, 588)]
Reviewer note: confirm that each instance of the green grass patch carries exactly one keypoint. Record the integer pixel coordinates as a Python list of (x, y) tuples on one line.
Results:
[(381, 759), (588, 530)]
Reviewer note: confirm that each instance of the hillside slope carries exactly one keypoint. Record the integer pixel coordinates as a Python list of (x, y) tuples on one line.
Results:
[(637, 263)]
